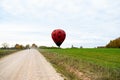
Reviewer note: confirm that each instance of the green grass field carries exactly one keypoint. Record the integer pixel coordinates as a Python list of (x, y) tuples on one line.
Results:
[(96, 64), (4, 52)]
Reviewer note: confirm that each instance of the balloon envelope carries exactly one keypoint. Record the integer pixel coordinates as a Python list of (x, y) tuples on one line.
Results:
[(58, 36)]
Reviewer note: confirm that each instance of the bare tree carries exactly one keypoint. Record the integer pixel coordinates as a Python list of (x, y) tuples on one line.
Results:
[(5, 45), (27, 46)]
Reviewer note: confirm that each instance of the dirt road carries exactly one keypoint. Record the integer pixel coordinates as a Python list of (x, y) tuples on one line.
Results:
[(27, 65)]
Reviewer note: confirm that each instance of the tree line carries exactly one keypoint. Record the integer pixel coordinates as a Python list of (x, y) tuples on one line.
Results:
[(18, 46), (114, 43)]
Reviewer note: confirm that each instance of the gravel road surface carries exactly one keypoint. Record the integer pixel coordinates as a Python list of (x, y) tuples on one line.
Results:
[(27, 65)]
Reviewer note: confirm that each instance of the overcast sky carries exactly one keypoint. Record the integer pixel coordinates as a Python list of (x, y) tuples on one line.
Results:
[(87, 23)]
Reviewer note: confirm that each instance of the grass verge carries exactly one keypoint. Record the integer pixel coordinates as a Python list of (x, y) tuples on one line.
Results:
[(4, 52), (85, 64)]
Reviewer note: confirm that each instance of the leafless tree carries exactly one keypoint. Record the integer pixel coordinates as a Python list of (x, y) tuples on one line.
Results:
[(5, 45)]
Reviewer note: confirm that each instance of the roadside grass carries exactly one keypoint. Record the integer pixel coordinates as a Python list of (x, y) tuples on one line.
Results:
[(85, 64), (4, 52)]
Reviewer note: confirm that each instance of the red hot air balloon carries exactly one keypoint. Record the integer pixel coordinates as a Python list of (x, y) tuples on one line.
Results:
[(58, 36)]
